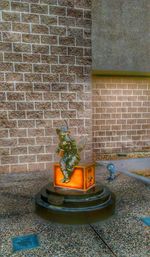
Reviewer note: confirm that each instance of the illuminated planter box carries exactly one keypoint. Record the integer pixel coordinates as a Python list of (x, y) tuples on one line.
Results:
[(83, 177)]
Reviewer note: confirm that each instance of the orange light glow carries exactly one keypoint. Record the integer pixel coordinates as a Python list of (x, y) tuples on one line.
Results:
[(83, 177)]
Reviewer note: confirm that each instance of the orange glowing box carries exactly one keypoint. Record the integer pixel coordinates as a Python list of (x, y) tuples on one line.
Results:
[(83, 177)]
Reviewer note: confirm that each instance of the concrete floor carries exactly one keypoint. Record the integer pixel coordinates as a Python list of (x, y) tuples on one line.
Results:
[(122, 235)]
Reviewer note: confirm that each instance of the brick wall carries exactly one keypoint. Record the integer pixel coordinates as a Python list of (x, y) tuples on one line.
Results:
[(45, 63), (121, 115)]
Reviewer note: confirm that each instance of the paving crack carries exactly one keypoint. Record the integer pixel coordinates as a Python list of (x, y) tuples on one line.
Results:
[(99, 236)]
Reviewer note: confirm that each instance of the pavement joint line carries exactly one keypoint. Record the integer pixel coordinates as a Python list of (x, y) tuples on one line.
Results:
[(96, 232)]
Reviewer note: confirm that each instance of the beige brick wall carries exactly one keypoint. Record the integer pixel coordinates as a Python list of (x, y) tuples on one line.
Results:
[(45, 63), (121, 115)]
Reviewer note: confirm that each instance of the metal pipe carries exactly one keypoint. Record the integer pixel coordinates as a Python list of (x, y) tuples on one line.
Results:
[(125, 172), (133, 175)]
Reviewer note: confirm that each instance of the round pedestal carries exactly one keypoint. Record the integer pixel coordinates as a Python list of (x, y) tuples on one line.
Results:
[(75, 207)]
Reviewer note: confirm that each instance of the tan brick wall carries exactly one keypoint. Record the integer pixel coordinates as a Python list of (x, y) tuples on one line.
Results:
[(121, 115), (45, 59)]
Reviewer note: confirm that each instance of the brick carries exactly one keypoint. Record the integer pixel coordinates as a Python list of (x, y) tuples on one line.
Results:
[(16, 115), (75, 70), (78, 13), (5, 123), (43, 140), (18, 168), (77, 106), (75, 32), (21, 27), (4, 151), (25, 106), (60, 50), (52, 40), (67, 60), (51, 114), (67, 21), (44, 158), (41, 87), (57, 10), (26, 141), (1, 57), (31, 58), (87, 51), (27, 158), (39, 8), (24, 87), (68, 114), (36, 167), (40, 49), (4, 5), (5, 26), (36, 149), (11, 37), (76, 87), (9, 159), (68, 41), (43, 123), (12, 57), (43, 106), (40, 29), (13, 96), (49, 131), (60, 106), (67, 3), (8, 142), (51, 96), (84, 61), (58, 69), (70, 97), (32, 77), (23, 67), (50, 78), (49, 59), (67, 78), (20, 47), (85, 23), (3, 133), (19, 150), (26, 123), (87, 14), (83, 4), (30, 18), (87, 33), (41, 68), (6, 67), (31, 96), (13, 77), (18, 132), (76, 122), (20, 7), (5, 47), (28, 38), (48, 20), (31, 1), (35, 115), (77, 51), (52, 2), (11, 16), (83, 79), (35, 132), (58, 30)]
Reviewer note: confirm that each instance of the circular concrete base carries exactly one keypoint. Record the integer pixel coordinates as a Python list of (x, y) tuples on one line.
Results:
[(75, 207)]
